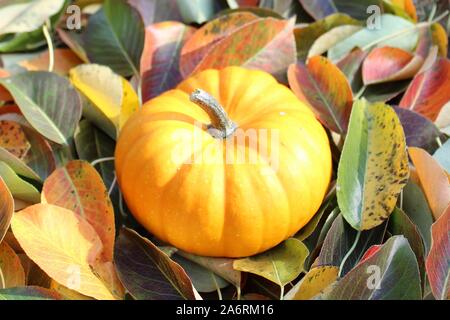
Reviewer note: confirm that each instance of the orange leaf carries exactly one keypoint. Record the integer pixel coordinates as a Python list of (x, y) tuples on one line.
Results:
[(79, 187), (433, 180), (4, 94), (11, 269), (13, 138), (65, 59), (263, 44), (6, 208), (205, 38), (323, 86), (390, 64), (64, 245)]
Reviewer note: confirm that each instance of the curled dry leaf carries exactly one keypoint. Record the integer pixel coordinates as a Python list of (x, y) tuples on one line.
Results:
[(79, 187), (433, 180), (324, 87), (65, 246)]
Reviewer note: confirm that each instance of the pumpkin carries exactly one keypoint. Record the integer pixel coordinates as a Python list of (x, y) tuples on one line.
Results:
[(229, 164)]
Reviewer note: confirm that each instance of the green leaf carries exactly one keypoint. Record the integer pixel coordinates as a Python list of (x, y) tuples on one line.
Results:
[(20, 189), (223, 267), (391, 273), (26, 41), (416, 207), (49, 103), (147, 272), (400, 224), (203, 279), (395, 32), (115, 37), (18, 165), (29, 293), (373, 168), (280, 265)]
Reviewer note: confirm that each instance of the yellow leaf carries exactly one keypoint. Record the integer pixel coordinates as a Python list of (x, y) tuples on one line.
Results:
[(103, 88), (79, 187), (315, 281), (64, 245), (11, 270), (130, 103), (67, 293)]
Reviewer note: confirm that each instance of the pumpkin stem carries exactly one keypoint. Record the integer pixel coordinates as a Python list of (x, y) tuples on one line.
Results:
[(221, 124)]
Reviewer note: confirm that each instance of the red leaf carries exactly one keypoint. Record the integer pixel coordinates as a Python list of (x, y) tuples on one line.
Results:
[(430, 90), (160, 58), (437, 263), (390, 64), (208, 36), (4, 94), (325, 88), (369, 253)]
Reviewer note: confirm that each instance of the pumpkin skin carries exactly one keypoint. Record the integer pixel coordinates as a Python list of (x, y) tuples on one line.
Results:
[(225, 207)]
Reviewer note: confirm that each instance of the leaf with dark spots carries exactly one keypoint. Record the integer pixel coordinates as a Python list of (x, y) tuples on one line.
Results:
[(376, 145)]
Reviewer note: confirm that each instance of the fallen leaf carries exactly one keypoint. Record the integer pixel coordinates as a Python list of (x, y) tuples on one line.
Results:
[(314, 282), (396, 32), (204, 39), (29, 293), (160, 62), (78, 187), (6, 208), (65, 59), (147, 272), (64, 245), (442, 156), (430, 90), (372, 279), (280, 265), (11, 270), (332, 38), (18, 187), (376, 145), (387, 64), (49, 103), (438, 263), (324, 87), (433, 180)]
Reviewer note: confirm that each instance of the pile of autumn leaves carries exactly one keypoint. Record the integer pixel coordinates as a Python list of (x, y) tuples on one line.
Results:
[(61, 213)]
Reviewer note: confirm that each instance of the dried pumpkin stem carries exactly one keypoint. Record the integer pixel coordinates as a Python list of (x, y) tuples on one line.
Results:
[(220, 122)]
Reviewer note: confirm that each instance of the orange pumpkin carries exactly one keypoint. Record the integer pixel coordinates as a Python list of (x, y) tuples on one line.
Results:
[(226, 178)]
